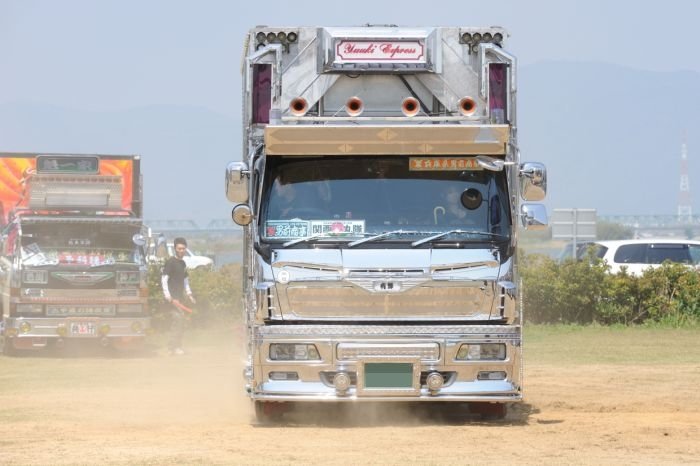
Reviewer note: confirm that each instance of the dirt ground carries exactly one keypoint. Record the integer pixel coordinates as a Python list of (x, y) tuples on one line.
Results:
[(156, 409)]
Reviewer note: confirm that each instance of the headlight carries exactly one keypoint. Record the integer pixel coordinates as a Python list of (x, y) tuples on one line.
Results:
[(35, 277), (30, 308), (482, 352), (293, 352), (128, 277), (129, 309)]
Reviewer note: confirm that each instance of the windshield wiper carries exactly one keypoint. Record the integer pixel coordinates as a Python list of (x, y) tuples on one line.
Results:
[(383, 235), (301, 240), (451, 232)]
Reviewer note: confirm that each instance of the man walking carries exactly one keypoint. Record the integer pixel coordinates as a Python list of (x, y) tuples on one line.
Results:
[(175, 286)]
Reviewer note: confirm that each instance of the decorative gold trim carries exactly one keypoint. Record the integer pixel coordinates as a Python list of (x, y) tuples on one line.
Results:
[(386, 140)]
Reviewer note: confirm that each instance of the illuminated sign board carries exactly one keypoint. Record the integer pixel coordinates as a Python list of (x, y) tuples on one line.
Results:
[(67, 164)]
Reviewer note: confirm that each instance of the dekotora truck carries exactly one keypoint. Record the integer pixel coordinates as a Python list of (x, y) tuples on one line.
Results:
[(381, 192), (72, 264)]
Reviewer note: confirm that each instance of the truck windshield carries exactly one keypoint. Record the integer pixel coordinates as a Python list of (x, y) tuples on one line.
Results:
[(348, 198), (80, 244)]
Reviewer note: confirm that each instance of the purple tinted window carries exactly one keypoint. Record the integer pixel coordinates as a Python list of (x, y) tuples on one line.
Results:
[(262, 93)]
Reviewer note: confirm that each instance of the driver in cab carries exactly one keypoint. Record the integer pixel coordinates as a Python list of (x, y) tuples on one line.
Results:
[(290, 200), (284, 200)]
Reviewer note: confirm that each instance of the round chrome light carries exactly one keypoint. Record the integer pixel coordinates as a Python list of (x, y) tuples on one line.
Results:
[(260, 37), (498, 38), (271, 36), (466, 37), (283, 277), (476, 36), (487, 37), (434, 381), (282, 36), (341, 381), (292, 37), (242, 215)]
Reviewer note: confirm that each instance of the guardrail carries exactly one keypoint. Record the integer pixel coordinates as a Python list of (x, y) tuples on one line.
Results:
[(190, 227)]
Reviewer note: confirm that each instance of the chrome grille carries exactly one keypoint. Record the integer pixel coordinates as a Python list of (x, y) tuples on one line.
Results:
[(355, 302), (355, 351)]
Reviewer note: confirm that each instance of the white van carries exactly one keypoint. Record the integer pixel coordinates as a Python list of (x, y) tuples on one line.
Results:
[(638, 255)]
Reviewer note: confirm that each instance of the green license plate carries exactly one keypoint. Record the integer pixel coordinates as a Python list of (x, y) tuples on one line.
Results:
[(388, 375)]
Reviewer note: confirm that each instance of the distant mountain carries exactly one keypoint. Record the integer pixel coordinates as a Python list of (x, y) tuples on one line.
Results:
[(610, 137)]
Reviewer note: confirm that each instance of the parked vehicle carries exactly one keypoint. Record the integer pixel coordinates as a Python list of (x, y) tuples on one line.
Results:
[(638, 255), (192, 260), (581, 250), (159, 249), (72, 263), (380, 191)]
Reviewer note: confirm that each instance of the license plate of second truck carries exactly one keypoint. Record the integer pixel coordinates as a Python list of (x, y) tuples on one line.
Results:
[(82, 329), (388, 375)]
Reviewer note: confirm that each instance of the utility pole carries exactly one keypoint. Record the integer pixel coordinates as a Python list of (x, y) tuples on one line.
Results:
[(685, 210)]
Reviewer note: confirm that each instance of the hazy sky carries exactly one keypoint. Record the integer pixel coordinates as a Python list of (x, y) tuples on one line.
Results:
[(106, 55)]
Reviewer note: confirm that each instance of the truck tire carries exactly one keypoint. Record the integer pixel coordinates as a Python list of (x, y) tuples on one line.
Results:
[(269, 412), (7, 347), (489, 411)]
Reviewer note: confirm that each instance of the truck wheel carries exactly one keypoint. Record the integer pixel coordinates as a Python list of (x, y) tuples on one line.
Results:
[(489, 411), (267, 412), (7, 347)]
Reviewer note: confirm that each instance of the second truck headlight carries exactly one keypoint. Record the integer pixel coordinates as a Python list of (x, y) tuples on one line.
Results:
[(293, 352)]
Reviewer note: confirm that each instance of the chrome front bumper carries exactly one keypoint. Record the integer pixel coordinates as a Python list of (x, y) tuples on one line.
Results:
[(50, 327), (425, 349)]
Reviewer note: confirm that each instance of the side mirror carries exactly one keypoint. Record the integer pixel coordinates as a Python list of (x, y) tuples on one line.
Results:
[(237, 182), (533, 186), (138, 239), (533, 216), (242, 215)]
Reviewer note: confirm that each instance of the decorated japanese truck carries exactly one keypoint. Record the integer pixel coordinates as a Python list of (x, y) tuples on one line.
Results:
[(72, 264), (381, 193)]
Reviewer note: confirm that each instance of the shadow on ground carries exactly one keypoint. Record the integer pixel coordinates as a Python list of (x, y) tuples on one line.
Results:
[(365, 414)]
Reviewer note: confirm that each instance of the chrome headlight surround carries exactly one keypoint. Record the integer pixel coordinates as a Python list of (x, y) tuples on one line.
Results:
[(294, 352), (481, 352), (128, 277), (35, 277), (29, 308), (129, 308)]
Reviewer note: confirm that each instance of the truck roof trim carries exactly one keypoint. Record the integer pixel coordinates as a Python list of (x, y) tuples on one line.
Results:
[(387, 140)]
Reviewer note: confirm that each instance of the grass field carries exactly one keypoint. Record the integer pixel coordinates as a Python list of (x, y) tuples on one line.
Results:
[(571, 344)]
